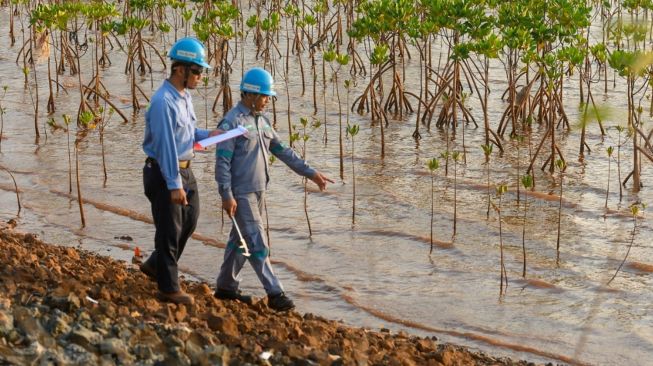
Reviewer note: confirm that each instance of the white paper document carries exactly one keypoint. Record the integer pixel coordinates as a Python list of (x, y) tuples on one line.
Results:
[(238, 131)]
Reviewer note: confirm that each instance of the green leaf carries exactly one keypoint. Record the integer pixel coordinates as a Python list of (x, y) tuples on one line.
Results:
[(433, 164)]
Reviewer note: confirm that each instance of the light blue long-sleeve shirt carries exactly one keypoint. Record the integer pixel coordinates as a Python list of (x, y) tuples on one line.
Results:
[(170, 131)]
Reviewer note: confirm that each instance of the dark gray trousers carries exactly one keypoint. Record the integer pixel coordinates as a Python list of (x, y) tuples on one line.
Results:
[(174, 223)]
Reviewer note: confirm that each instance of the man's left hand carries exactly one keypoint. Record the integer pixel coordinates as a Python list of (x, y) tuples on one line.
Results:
[(321, 180)]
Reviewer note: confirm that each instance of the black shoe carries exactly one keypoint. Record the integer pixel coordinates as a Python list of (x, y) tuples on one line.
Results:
[(233, 295), (280, 302), (147, 269)]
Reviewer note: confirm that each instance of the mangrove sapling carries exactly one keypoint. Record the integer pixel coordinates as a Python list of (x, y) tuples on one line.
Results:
[(489, 47), (527, 183), (15, 189), (85, 119), (487, 151), (303, 152), (433, 165), (560, 164), (67, 120), (634, 210), (102, 123), (634, 66), (609, 150), (619, 129), (99, 14), (12, 36), (3, 111), (456, 156), (329, 56), (501, 189), (56, 127), (35, 101), (353, 131)]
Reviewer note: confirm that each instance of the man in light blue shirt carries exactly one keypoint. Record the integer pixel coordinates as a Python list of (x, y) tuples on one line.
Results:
[(170, 133)]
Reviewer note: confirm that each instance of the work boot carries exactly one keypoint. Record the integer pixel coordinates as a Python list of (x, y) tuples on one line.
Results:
[(148, 270), (233, 295), (179, 297), (280, 302)]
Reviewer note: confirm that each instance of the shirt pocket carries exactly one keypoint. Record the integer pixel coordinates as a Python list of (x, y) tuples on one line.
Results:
[(248, 141), (267, 138)]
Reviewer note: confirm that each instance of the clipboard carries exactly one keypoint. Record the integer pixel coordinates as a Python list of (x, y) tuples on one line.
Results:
[(203, 144)]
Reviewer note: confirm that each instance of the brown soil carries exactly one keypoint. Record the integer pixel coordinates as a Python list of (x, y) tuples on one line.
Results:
[(48, 312)]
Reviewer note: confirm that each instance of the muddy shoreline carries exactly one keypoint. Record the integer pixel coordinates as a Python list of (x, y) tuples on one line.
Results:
[(60, 305)]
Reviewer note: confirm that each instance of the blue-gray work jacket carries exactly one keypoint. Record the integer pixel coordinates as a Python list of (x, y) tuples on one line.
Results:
[(241, 164)]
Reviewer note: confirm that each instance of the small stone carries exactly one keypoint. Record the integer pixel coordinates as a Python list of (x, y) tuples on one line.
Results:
[(223, 323), (217, 354), (78, 355), (84, 337), (176, 357), (116, 347), (6, 322), (173, 342), (58, 324), (194, 352)]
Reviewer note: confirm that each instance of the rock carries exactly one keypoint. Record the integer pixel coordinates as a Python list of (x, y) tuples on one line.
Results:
[(6, 322), (84, 319), (204, 289), (26, 321), (14, 337), (223, 323), (5, 303), (116, 347), (58, 324), (176, 357), (72, 254), (450, 356), (309, 340), (181, 313), (78, 355), (194, 352), (173, 342), (425, 345), (145, 336), (144, 352), (84, 337), (53, 357), (216, 355), (182, 332)]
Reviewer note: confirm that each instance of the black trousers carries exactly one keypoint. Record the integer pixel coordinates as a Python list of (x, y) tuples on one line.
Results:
[(174, 223)]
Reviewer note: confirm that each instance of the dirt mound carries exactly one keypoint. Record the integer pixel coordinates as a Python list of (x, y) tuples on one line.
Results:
[(60, 305)]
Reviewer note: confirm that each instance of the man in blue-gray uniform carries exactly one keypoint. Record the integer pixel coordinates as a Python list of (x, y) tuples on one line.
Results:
[(241, 170), (170, 186)]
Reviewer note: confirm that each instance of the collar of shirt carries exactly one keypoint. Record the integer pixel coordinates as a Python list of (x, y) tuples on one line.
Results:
[(171, 88), (242, 108)]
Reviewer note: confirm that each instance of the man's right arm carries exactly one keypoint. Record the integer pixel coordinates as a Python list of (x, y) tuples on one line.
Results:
[(163, 143)]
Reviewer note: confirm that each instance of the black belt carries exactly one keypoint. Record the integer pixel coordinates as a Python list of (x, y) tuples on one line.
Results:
[(183, 164)]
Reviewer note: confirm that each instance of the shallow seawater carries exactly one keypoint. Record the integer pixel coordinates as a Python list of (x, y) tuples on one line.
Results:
[(377, 272)]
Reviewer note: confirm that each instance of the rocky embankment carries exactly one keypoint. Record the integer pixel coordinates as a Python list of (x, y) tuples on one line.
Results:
[(63, 306)]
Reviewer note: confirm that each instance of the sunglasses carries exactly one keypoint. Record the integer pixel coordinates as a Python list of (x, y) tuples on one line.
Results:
[(196, 71)]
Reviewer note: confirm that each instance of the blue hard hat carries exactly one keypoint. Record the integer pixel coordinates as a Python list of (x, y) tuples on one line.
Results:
[(258, 80), (189, 50)]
